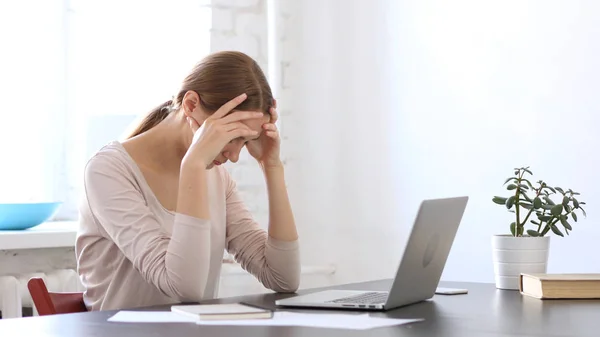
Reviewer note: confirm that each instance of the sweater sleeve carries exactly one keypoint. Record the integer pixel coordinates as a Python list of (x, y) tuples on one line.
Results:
[(177, 264), (275, 263)]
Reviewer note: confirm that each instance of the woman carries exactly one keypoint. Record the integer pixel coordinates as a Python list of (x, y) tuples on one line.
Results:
[(159, 208)]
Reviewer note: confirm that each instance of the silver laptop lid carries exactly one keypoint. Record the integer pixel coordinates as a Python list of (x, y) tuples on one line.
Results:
[(427, 250)]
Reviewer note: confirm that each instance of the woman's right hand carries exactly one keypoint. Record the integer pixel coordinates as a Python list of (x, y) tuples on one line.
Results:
[(217, 130)]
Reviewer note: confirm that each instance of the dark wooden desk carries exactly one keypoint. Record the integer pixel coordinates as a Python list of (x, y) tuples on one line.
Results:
[(484, 312)]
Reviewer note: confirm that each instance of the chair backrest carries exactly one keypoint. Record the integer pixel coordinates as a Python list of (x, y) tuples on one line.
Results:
[(49, 303)]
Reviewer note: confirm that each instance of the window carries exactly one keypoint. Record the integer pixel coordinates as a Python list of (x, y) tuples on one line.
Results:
[(32, 87), (79, 72)]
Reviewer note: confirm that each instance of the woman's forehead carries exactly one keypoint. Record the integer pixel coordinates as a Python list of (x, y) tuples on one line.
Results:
[(256, 123)]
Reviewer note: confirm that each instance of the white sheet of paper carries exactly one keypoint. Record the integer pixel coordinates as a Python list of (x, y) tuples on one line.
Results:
[(280, 318), (150, 317)]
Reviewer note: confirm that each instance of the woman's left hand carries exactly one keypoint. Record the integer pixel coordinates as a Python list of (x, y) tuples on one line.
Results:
[(265, 149)]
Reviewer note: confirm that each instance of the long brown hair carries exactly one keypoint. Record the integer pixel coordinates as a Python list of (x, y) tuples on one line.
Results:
[(217, 79)]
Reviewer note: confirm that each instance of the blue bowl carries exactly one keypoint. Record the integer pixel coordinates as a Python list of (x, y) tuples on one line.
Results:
[(26, 215)]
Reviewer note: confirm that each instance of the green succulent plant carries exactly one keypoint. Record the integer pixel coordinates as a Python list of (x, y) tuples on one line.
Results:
[(552, 208)]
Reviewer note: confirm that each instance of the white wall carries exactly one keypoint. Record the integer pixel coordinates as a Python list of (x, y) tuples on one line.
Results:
[(488, 86), (341, 169), (394, 102)]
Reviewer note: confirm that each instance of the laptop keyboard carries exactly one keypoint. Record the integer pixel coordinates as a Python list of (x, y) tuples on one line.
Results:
[(366, 298)]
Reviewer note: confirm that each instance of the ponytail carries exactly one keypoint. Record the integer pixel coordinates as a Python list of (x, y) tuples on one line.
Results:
[(152, 119)]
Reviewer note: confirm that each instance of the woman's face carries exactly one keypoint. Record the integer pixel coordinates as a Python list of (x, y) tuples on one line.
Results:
[(231, 152)]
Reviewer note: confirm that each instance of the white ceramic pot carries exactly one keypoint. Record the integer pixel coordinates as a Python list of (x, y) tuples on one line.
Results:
[(515, 255)]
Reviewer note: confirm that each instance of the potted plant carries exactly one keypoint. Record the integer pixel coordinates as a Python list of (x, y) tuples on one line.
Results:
[(539, 209)]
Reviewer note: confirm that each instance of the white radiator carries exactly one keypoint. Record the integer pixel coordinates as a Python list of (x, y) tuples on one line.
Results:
[(14, 294)]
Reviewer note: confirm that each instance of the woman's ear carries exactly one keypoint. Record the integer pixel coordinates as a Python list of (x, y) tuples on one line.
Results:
[(190, 102)]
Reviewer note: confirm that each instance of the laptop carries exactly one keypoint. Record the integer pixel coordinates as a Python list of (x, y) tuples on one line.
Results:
[(420, 268)]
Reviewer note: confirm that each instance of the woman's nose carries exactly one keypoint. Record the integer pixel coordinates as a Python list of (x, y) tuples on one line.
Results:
[(233, 155)]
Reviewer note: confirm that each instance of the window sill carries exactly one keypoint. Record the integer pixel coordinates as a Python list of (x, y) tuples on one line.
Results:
[(47, 235)]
